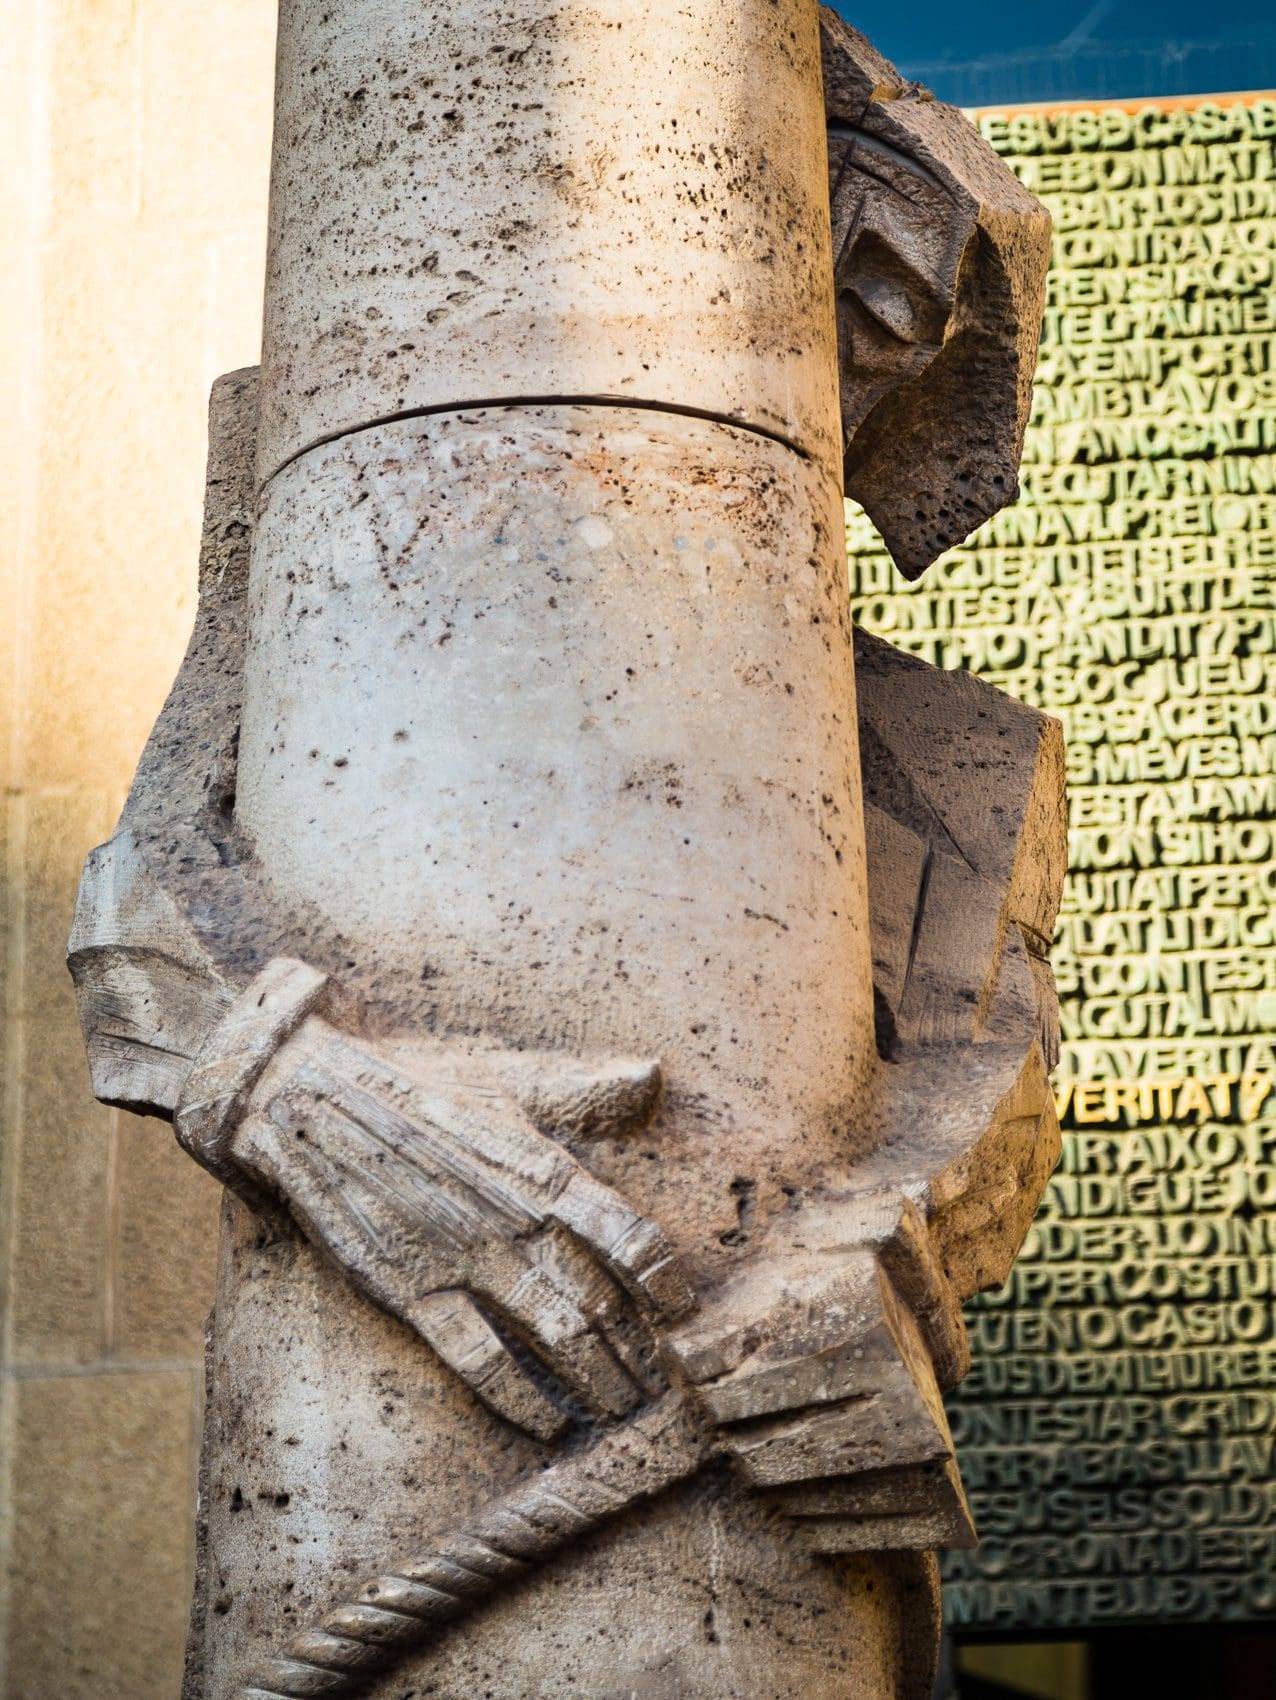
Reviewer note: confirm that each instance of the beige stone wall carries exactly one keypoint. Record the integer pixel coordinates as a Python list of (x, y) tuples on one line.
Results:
[(135, 135)]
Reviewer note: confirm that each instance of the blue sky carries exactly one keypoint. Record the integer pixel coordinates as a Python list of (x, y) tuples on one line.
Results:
[(996, 50)]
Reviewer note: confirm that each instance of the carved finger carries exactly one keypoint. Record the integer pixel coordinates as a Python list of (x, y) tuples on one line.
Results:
[(520, 1175), (295, 1148), (557, 1330), (451, 1137), (839, 1439), (394, 1234), (575, 1101), (477, 1145), (452, 1323), (636, 1251), (579, 1275), (822, 1378)]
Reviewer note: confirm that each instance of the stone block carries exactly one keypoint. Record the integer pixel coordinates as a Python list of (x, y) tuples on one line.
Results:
[(116, 531), (58, 832), (164, 1261), (61, 1160), (238, 270), (206, 108), (103, 1492), (92, 71)]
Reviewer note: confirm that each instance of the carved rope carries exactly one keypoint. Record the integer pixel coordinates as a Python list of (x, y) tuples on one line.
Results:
[(390, 1614)]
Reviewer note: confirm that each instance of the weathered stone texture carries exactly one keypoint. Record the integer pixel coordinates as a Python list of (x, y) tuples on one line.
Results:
[(939, 262), (490, 910), (647, 222)]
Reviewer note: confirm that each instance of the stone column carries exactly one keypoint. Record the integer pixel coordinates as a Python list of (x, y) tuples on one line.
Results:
[(549, 714), (615, 1105)]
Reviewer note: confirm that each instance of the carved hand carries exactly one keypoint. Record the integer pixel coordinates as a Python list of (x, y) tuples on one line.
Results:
[(440, 1196)]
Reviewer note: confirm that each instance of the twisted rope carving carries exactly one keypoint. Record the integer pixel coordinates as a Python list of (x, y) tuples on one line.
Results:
[(391, 1614)]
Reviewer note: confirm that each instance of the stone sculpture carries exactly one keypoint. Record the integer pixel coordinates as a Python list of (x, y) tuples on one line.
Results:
[(616, 1091)]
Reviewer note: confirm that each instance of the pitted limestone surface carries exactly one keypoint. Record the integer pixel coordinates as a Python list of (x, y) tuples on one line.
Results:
[(493, 913), (492, 201), (547, 667)]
